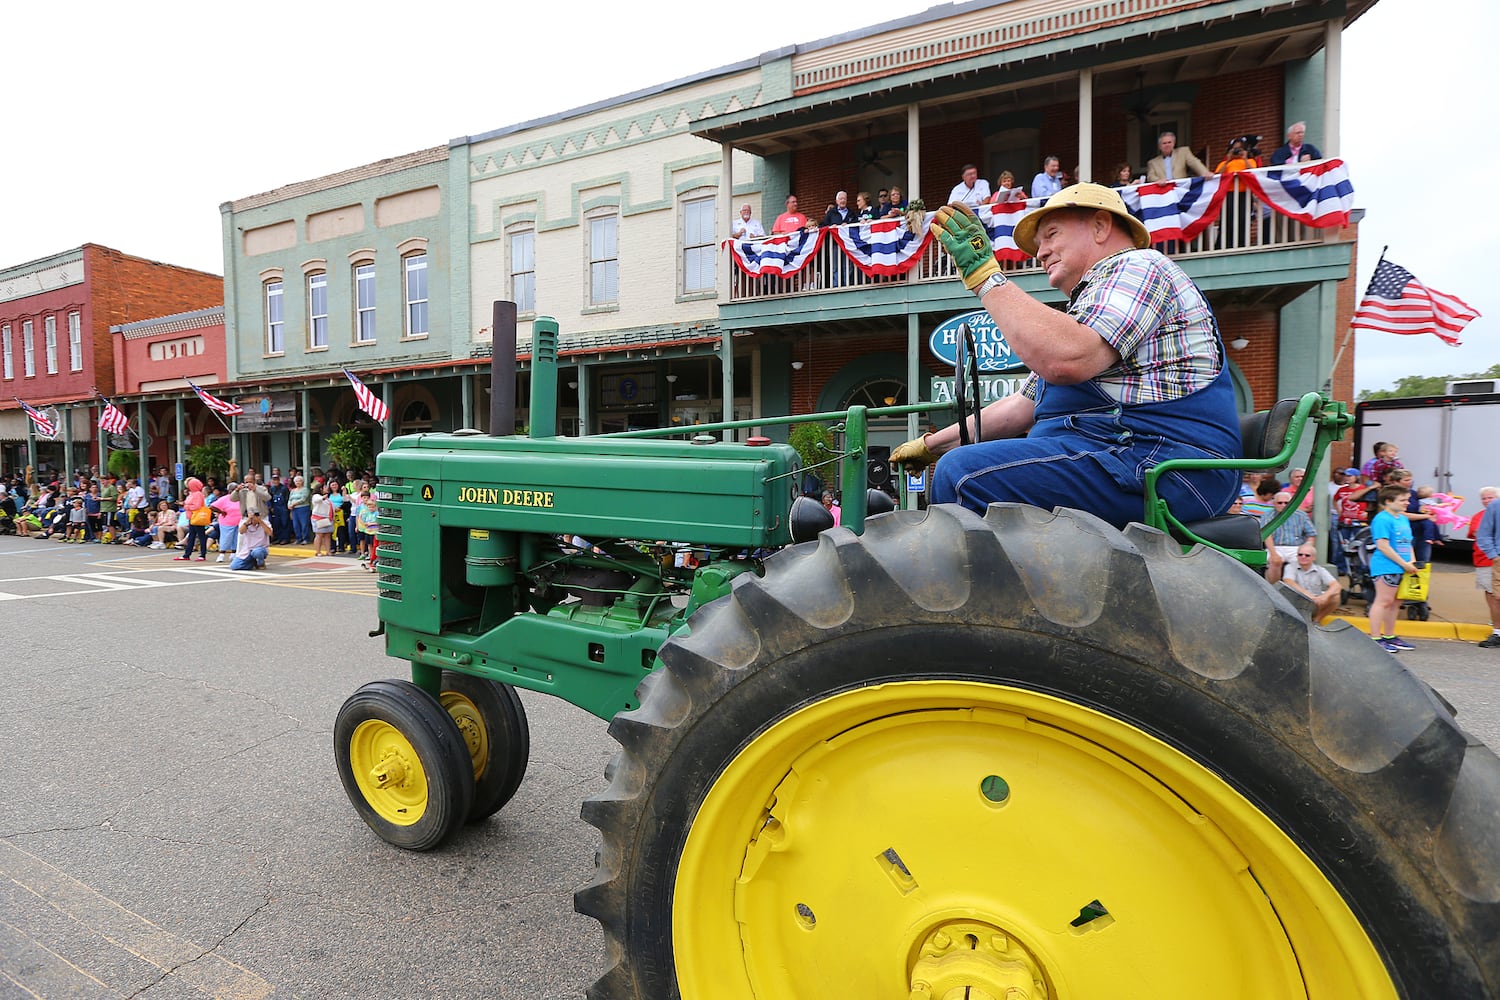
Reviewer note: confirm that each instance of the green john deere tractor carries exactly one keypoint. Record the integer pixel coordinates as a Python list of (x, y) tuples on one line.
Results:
[(927, 754)]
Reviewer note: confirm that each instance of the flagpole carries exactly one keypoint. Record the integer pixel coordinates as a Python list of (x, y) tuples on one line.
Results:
[(1348, 336)]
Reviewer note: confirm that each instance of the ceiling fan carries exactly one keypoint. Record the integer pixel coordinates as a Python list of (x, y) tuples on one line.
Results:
[(868, 154), (1140, 104)]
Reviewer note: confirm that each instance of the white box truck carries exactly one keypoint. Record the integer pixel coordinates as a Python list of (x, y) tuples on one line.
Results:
[(1451, 442)]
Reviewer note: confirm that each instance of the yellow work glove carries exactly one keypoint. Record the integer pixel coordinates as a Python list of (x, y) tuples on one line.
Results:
[(914, 455), (962, 234)]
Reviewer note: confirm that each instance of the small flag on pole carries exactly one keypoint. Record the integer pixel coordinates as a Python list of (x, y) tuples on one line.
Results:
[(44, 425), (112, 418), (1396, 302), (368, 401), (216, 404)]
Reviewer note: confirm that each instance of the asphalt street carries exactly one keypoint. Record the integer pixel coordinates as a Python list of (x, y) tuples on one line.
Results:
[(176, 829)]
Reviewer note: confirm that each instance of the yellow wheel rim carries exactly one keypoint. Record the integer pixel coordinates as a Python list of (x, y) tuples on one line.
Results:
[(470, 724), (904, 840), (389, 773)]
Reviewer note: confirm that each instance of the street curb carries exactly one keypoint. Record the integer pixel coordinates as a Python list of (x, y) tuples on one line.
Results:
[(1462, 631)]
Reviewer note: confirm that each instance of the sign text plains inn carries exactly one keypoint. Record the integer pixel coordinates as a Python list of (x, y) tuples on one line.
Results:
[(505, 497)]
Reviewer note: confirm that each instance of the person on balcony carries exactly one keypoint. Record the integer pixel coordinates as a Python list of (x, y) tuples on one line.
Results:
[(1122, 176), (1049, 181), (1295, 150), (838, 214), (1173, 164), (791, 220), (897, 203), (863, 210), (747, 226), (1239, 204), (1133, 373), (1006, 190), (972, 191)]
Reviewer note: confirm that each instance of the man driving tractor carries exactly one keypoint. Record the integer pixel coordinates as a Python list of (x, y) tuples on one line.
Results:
[(1133, 372)]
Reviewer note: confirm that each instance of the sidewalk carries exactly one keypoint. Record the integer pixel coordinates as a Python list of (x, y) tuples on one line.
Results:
[(1458, 607)]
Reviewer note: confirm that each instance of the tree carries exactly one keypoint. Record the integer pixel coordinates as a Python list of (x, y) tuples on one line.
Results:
[(209, 459), (124, 464), (814, 445), (350, 447), (1424, 385)]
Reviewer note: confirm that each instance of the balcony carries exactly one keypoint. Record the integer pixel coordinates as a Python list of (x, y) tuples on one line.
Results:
[(1243, 224)]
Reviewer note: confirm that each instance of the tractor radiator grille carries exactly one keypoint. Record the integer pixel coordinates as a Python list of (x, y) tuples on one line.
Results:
[(391, 491)]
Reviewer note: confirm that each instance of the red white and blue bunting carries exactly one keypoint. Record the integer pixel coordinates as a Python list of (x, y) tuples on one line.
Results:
[(783, 254), (1317, 193), (881, 248)]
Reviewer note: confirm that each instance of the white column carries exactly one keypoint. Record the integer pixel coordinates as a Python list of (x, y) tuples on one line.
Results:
[(1086, 124), (913, 152), (726, 215), (1333, 43)]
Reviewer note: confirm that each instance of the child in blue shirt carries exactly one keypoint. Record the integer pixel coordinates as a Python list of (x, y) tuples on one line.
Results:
[(1391, 532)]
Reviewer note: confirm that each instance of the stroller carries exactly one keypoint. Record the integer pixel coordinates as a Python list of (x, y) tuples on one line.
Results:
[(8, 516), (1357, 551)]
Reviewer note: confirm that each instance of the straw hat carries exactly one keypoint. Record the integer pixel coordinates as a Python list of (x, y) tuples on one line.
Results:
[(1086, 196)]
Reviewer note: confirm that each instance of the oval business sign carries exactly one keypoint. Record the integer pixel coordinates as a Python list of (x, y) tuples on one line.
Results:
[(990, 347)]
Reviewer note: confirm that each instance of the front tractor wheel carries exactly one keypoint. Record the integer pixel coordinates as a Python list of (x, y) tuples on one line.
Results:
[(403, 764), (492, 722), (1029, 756)]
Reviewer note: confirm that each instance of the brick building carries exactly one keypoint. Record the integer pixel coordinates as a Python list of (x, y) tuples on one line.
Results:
[(155, 359), (1003, 85), (57, 350)]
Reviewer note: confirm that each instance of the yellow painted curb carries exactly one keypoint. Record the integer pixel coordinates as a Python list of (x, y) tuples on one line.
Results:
[(1462, 631)]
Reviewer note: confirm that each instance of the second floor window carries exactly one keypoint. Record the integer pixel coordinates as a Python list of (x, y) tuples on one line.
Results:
[(604, 260), (317, 309), (523, 270), (415, 267), (50, 325), (698, 245), (10, 371), (364, 303), (28, 347), (275, 319), (75, 342)]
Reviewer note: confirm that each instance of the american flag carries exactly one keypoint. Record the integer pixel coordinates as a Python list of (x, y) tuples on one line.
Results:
[(216, 404), (44, 425), (113, 419), (1396, 302), (368, 401)]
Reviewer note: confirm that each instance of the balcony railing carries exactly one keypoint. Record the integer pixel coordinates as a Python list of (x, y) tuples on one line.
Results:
[(1244, 225)]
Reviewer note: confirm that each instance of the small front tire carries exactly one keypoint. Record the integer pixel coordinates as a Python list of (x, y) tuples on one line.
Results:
[(403, 763), (492, 722)]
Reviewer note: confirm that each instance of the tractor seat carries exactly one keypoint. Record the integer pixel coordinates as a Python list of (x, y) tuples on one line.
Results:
[(1262, 435)]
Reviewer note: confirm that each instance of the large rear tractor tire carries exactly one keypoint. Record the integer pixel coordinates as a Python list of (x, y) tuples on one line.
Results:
[(1027, 756)]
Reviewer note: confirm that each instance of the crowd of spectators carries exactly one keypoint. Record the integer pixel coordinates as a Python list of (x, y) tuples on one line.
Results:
[(335, 511), (1173, 162)]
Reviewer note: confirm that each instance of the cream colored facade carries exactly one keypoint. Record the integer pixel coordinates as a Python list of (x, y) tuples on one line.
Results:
[(636, 159)]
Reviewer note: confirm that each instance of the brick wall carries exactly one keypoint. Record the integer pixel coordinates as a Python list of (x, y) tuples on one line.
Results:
[(124, 289), (1257, 362), (823, 357), (1225, 107)]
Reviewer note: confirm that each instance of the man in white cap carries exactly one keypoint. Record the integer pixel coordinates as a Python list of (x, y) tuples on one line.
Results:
[(1132, 373)]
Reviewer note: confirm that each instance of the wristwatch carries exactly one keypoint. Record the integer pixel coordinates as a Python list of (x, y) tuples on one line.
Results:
[(993, 281)]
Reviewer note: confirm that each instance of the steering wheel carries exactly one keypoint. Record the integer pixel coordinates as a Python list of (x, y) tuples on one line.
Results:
[(966, 397)]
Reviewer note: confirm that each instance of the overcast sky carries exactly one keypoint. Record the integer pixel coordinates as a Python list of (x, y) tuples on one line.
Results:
[(128, 124)]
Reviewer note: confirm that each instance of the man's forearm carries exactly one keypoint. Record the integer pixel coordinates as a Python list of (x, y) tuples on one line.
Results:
[(1053, 344)]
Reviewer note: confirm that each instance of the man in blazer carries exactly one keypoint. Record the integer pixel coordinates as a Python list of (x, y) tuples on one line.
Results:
[(1173, 164)]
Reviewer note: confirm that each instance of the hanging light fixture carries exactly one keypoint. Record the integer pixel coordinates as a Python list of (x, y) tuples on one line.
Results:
[(1239, 343)]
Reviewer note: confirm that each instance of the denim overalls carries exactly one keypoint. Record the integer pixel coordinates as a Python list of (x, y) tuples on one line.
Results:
[(1090, 452)]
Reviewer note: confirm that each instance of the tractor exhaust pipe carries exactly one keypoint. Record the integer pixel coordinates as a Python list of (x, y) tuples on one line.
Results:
[(544, 377), (503, 370)]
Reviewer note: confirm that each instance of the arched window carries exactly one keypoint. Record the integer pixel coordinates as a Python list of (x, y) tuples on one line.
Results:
[(416, 418)]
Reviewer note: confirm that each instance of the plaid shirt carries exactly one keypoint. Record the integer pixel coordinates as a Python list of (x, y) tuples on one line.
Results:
[(1145, 307)]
